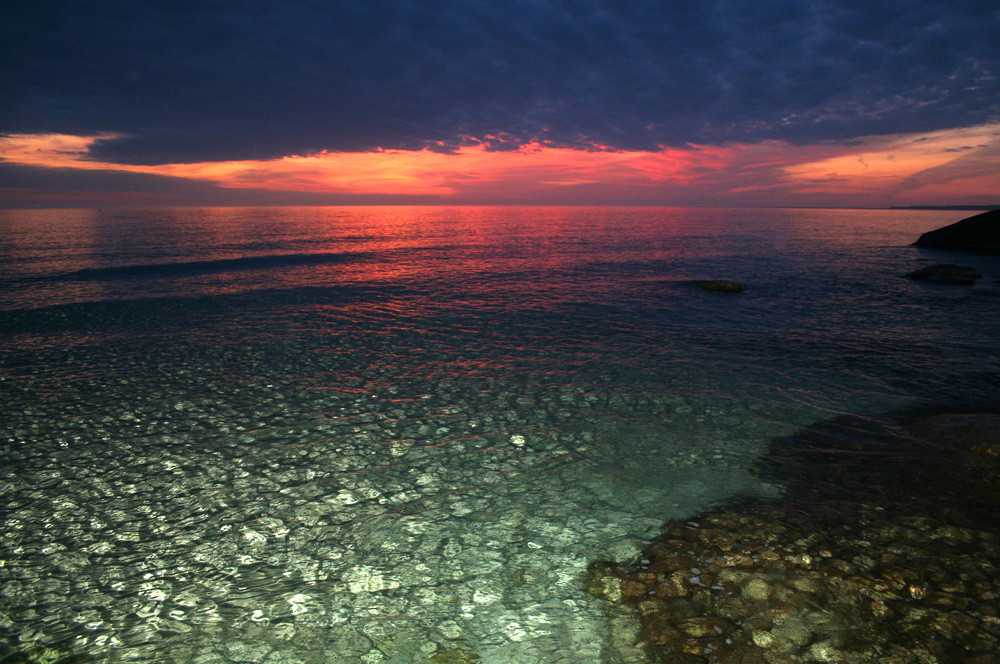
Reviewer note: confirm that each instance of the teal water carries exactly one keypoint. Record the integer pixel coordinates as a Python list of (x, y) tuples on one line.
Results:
[(399, 434)]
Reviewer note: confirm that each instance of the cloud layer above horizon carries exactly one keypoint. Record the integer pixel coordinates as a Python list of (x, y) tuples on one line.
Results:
[(589, 97)]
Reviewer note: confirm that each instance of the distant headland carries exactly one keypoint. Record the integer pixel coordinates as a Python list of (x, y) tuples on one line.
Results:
[(945, 207)]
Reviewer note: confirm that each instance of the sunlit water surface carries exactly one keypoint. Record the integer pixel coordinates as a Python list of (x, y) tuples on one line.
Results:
[(333, 435)]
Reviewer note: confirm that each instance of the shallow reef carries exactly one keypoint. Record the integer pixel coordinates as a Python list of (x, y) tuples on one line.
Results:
[(884, 548)]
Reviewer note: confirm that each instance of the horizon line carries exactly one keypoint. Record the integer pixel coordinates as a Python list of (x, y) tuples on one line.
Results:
[(932, 207)]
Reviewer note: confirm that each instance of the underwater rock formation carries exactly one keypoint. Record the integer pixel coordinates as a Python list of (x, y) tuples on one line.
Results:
[(743, 585), (885, 548)]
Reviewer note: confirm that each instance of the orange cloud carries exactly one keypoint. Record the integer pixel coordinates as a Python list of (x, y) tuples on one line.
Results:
[(410, 172), (52, 150), (883, 166), (872, 171)]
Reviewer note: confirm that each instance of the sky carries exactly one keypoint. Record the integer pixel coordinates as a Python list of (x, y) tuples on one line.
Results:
[(725, 102)]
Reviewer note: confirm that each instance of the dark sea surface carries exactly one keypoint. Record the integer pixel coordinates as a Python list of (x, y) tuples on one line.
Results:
[(401, 434)]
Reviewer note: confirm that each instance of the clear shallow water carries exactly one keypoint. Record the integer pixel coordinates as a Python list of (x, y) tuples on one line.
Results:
[(394, 434)]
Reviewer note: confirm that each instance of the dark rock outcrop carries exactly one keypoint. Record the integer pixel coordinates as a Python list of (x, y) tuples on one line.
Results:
[(946, 273), (979, 233)]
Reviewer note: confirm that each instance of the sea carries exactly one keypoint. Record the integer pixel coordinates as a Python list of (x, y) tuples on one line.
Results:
[(300, 435)]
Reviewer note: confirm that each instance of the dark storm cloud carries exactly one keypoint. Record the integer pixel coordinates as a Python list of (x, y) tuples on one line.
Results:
[(219, 80), (27, 186), (16, 177)]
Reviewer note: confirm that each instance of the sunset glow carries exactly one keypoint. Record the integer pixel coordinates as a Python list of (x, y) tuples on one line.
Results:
[(878, 170)]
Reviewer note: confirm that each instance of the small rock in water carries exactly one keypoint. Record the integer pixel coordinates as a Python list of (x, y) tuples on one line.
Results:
[(720, 286), (946, 273)]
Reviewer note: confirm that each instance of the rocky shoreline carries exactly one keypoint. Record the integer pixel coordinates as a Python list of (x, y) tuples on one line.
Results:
[(885, 548)]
